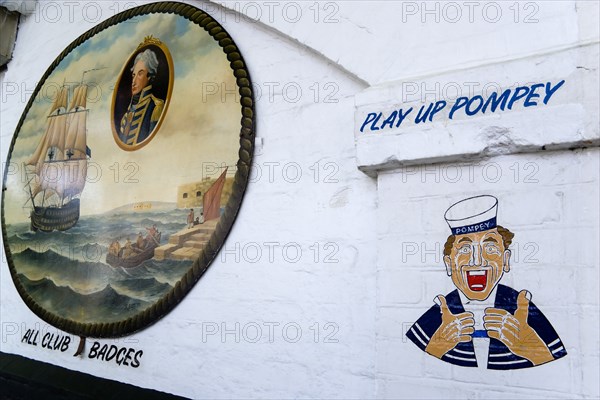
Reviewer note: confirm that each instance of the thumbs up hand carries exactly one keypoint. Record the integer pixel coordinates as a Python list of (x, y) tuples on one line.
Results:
[(515, 332), (455, 328)]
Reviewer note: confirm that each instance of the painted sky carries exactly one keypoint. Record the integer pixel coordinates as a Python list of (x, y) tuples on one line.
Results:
[(198, 129)]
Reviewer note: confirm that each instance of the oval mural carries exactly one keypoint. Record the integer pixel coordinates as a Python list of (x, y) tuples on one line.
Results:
[(130, 170), (142, 94)]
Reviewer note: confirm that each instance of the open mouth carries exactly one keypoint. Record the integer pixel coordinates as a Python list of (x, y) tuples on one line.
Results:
[(477, 280)]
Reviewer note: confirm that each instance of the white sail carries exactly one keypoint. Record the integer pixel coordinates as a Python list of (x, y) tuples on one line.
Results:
[(52, 176), (57, 126), (39, 155), (79, 97), (60, 159), (75, 167), (74, 172), (65, 178), (54, 137), (35, 186), (76, 140)]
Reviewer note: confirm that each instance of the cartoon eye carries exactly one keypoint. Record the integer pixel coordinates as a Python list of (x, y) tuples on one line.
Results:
[(464, 250), (491, 248)]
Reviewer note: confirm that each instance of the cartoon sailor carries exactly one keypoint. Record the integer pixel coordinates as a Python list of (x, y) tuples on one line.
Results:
[(482, 322)]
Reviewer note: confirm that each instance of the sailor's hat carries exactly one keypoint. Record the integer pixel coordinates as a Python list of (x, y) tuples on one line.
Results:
[(475, 214)]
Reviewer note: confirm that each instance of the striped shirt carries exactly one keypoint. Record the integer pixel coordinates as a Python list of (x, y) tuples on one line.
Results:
[(500, 357)]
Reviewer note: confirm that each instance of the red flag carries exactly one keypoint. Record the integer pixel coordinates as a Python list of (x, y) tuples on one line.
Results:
[(212, 198)]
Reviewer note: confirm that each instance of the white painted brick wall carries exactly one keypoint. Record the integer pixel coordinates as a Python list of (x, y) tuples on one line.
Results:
[(557, 252), (377, 287)]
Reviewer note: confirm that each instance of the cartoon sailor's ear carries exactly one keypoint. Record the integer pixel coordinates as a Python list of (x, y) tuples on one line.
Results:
[(506, 260), (448, 265)]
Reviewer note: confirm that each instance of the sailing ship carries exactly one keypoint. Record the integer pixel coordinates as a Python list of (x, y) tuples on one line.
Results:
[(57, 170)]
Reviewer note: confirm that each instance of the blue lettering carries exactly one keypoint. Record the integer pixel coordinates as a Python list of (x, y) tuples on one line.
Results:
[(551, 90), (439, 106), (370, 118), (390, 120), (469, 112), (423, 118), (471, 105), (482, 226), (516, 96), (532, 94), (402, 116), (497, 101), (373, 127), (460, 103)]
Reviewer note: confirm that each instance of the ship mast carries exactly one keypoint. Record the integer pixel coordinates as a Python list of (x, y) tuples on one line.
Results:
[(31, 196)]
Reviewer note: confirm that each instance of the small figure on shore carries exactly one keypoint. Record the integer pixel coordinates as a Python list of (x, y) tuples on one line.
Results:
[(199, 220), (190, 218)]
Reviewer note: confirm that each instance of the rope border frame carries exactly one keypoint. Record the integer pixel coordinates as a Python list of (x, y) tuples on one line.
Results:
[(217, 239)]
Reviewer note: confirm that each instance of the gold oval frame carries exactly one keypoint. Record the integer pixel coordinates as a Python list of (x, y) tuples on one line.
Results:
[(148, 42), (245, 153)]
